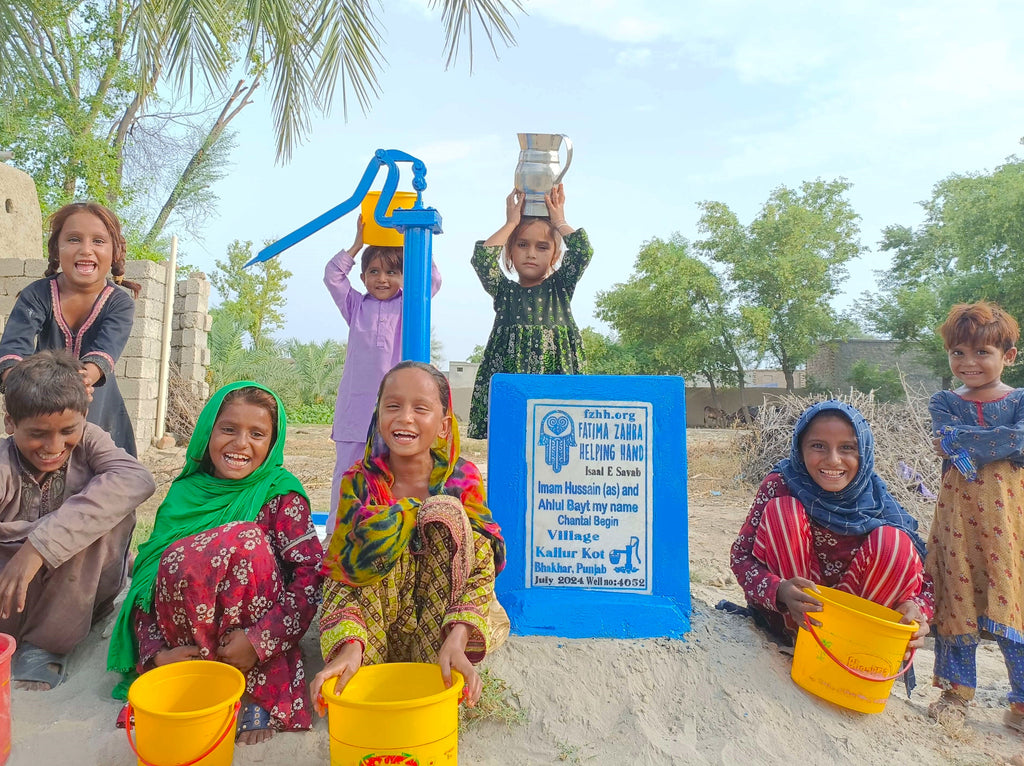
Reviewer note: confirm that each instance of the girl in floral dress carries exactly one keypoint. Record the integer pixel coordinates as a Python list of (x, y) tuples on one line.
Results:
[(977, 539), (410, 568), (534, 331), (230, 571)]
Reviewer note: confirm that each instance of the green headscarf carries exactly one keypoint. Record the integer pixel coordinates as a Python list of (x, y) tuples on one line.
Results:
[(195, 502)]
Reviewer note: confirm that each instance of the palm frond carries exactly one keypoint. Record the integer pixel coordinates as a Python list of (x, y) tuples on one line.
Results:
[(494, 16)]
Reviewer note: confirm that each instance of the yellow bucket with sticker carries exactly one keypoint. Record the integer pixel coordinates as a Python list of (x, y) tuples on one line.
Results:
[(856, 654), (395, 713), (374, 234)]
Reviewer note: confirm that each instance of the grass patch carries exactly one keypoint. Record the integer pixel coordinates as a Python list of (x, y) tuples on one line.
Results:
[(496, 704), (143, 529)]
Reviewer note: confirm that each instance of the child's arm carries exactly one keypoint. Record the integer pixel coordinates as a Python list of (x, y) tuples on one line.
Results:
[(759, 585), (984, 444), (101, 352), (31, 310), (513, 214), (343, 638), (555, 200), (346, 298), (464, 627), (120, 483)]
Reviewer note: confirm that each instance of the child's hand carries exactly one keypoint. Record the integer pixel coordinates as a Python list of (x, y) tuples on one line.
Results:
[(342, 667), (792, 598), (88, 378), (177, 654), (937, 448), (237, 650), (514, 208), (912, 613), (15, 578), (453, 655), (357, 245)]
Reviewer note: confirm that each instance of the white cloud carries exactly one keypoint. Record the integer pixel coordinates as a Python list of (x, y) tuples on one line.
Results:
[(633, 57)]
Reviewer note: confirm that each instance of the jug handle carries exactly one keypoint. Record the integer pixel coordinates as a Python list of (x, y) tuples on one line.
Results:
[(568, 159)]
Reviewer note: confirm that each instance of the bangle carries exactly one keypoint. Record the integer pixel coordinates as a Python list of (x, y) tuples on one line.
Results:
[(557, 224)]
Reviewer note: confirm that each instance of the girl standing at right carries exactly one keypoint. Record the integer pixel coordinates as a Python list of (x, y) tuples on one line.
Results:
[(977, 538), (534, 331), (76, 308)]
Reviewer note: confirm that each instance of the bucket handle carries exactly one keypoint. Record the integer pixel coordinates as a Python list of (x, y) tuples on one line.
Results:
[(847, 668), (131, 722)]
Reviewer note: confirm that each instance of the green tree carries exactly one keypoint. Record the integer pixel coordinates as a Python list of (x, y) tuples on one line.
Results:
[(610, 356), (786, 266), (970, 247), (253, 297), (318, 368), (131, 103), (674, 316), (885, 383), (231, 358)]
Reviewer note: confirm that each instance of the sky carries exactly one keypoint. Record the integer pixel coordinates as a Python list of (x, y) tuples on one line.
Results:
[(667, 103)]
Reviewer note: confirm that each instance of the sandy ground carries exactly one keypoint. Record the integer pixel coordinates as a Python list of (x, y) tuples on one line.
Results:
[(722, 696)]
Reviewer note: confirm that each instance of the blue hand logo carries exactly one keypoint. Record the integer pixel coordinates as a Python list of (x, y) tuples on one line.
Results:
[(557, 435)]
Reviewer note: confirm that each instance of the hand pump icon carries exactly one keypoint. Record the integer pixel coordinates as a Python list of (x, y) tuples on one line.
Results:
[(631, 550)]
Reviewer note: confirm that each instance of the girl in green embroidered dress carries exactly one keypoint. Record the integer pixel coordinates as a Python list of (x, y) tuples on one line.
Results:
[(534, 331)]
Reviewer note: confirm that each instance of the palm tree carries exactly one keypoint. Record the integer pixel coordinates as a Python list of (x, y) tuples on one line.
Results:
[(85, 85), (305, 47)]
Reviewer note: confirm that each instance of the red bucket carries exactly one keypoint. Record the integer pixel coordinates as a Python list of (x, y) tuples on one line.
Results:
[(7, 646)]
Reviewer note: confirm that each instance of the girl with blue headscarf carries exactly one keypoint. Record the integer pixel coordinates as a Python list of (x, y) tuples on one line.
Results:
[(824, 517)]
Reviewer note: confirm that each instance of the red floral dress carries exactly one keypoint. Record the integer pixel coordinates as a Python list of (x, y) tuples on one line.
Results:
[(261, 577)]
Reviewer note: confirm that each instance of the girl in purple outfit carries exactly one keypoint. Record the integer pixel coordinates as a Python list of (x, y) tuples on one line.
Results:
[(374, 343)]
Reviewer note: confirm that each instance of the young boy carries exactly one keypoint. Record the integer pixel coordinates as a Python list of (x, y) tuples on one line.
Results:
[(374, 344), (67, 511)]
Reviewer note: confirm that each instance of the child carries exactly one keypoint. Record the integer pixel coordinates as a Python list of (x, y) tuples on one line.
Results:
[(410, 568), (229, 572), (374, 344), (823, 516), (67, 511), (977, 537), (534, 331), (77, 309)]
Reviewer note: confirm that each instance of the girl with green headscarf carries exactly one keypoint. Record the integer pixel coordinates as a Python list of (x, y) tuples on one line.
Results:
[(230, 571)]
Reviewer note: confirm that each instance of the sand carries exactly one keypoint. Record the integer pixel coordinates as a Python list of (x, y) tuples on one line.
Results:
[(721, 696)]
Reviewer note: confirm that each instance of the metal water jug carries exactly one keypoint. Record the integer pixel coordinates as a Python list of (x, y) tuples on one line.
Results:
[(538, 169)]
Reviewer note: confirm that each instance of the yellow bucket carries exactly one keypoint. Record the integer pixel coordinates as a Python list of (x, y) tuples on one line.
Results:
[(378, 235), (854, 657), (185, 713), (395, 713)]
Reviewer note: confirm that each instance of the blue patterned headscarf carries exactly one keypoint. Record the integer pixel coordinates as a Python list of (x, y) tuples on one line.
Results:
[(862, 505)]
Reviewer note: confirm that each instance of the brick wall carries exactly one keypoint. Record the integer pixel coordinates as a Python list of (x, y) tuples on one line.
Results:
[(832, 364)]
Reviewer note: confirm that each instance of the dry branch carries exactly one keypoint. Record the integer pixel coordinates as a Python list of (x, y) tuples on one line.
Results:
[(902, 432)]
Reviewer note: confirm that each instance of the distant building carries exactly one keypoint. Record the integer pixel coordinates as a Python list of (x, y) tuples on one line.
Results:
[(756, 379), (461, 377), (831, 366)]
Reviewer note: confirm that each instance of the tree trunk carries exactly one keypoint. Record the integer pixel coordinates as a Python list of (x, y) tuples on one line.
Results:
[(240, 95)]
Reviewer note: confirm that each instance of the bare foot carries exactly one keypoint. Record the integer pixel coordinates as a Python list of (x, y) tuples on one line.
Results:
[(255, 736)]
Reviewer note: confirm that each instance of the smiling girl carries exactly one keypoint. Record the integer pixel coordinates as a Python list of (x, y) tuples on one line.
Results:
[(823, 516), (977, 537), (230, 571), (77, 309), (411, 565), (534, 331)]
